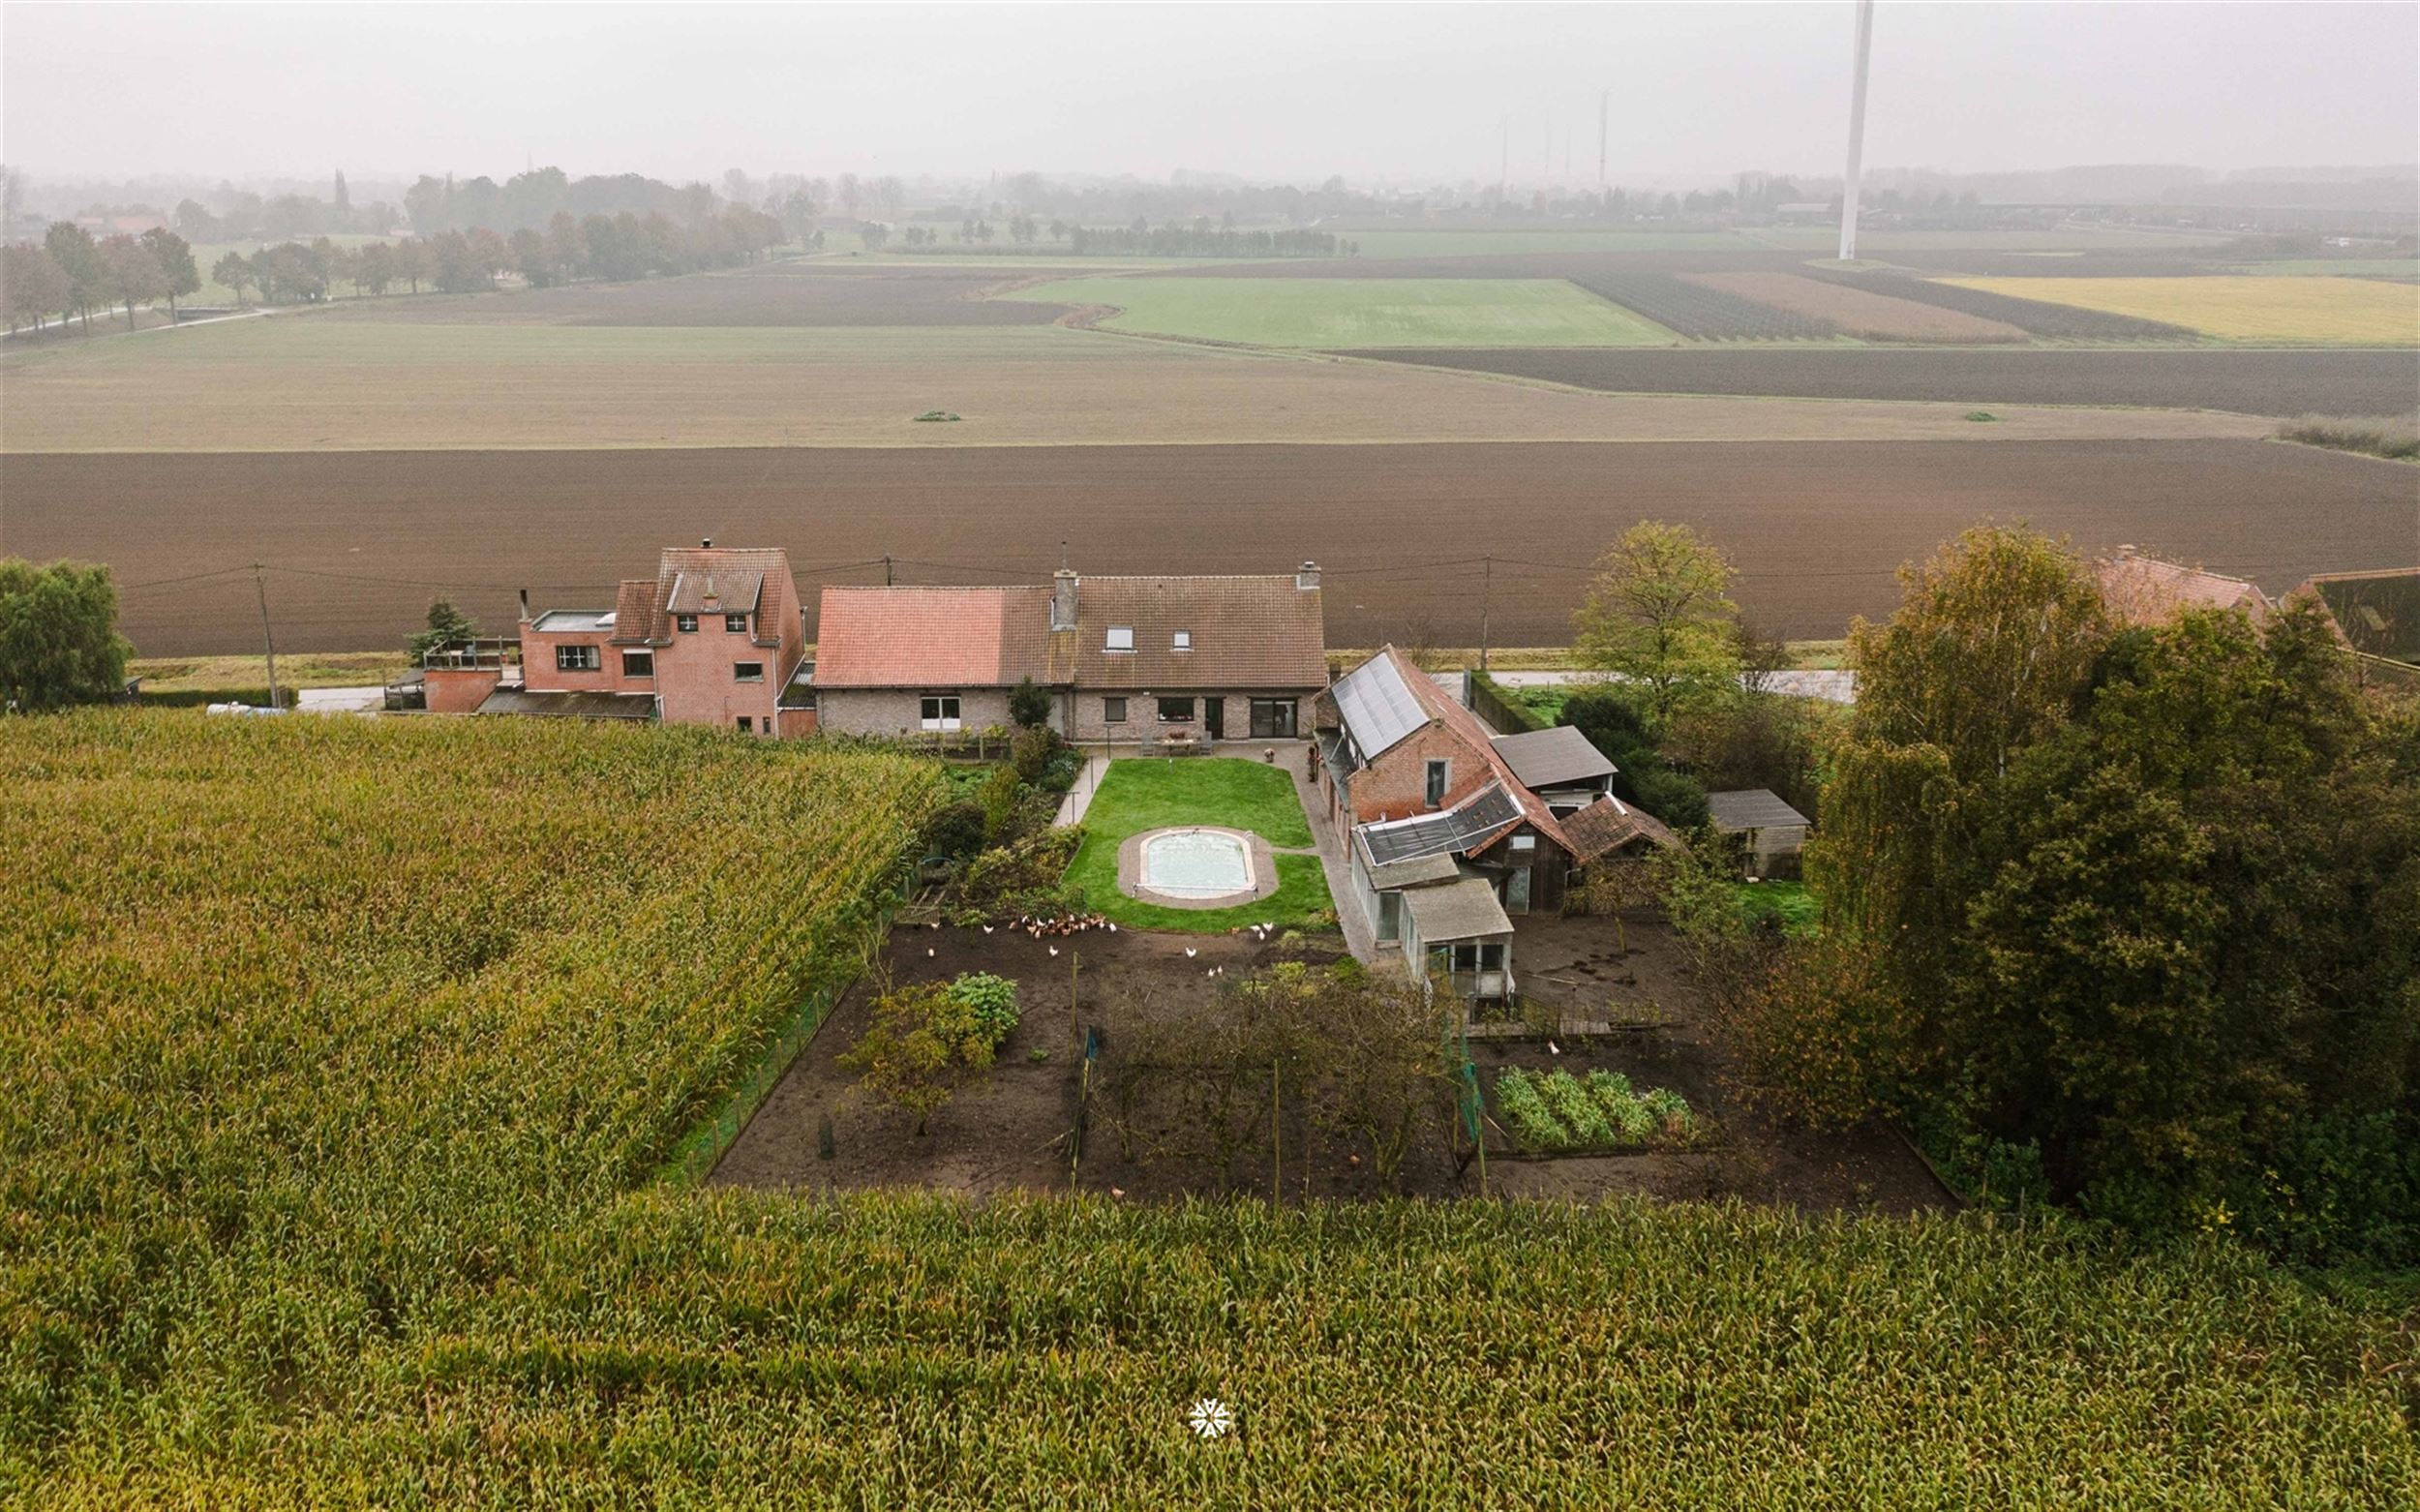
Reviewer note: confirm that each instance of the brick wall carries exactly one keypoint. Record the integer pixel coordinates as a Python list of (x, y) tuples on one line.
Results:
[(895, 711), (1395, 786)]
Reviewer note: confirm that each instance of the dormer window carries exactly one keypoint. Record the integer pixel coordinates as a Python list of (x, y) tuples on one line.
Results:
[(1182, 641), (1121, 638)]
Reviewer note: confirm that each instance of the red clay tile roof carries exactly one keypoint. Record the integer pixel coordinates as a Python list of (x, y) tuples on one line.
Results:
[(1466, 727), (1247, 632), (932, 637), (636, 619), (2146, 591)]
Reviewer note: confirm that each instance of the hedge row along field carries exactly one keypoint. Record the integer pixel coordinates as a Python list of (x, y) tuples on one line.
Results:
[(339, 1056)]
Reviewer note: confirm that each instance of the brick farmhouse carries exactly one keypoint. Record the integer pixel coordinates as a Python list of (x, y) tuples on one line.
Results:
[(1152, 662), (715, 638)]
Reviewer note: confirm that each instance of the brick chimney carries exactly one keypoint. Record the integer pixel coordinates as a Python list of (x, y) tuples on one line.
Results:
[(1307, 576), (1063, 599)]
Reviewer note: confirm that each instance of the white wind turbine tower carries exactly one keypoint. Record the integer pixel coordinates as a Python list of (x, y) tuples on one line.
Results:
[(1856, 129)]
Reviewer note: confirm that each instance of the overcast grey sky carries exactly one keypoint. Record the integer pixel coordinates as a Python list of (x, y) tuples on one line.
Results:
[(1294, 92)]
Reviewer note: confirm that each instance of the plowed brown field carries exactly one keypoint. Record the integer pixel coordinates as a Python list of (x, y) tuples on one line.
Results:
[(364, 540), (2280, 382), (1856, 311)]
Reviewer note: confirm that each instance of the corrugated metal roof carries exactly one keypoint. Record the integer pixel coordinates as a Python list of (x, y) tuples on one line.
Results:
[(1752, 808), (1377, 706), (1465, 910), (1419, 871), (1547, 758), (1479, 818)]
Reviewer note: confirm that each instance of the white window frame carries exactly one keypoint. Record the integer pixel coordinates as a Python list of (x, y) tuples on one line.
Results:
[(1181, 641), (1120, 638), (685, 623), (947, 712), (735, 624), (583, 658)]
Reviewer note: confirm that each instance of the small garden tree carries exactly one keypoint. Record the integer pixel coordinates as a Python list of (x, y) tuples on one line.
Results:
[(448, 626), (1660, 613), (925, 1042), (1029, 704)]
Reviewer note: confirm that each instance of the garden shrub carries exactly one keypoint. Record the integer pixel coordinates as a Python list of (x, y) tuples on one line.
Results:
[(992, 1000), (956, 831), (1030, 751)]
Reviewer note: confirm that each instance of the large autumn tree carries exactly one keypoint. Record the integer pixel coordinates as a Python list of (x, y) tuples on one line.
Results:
[(1659, 614), (2126, 918)]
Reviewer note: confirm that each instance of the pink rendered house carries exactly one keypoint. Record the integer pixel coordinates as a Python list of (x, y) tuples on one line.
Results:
[(715, 637)]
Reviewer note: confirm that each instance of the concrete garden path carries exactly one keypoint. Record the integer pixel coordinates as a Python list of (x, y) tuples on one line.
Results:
[(1361, 937)]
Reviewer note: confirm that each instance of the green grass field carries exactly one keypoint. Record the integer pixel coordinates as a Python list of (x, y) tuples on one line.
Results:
[(343, 1065), (1140, 795), (1339, 312)]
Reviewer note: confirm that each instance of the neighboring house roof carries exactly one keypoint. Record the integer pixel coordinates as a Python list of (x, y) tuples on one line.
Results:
[(932, 637), (2144, 590), (1465, 910), (1468, 825), (1377, 706), (1244, 632), (715, 580), (635, 616), (572, 706), (1380, 694), (1752, 808), (2377, 613), (1608, 824), (801, 692), (1552, 757)]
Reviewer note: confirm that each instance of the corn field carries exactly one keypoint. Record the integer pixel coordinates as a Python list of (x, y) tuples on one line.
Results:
[(339, 1056)]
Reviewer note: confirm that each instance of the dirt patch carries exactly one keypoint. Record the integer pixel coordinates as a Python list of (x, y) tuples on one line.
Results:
[(1011, 1131), (2246, 383), (1008, 1131), (1817, 531), (1858, 312)]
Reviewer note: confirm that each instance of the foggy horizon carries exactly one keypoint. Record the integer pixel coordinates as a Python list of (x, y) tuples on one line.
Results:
[(1392, 95)]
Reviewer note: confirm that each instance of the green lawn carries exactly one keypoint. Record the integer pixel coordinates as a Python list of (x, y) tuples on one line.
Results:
[(1788, 901), (1143, 794), (1353, 311)]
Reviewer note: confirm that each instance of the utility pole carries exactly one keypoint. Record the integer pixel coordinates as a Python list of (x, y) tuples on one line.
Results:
[(267, 643), (1487, 582), (1856, 129), (886, 569)]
